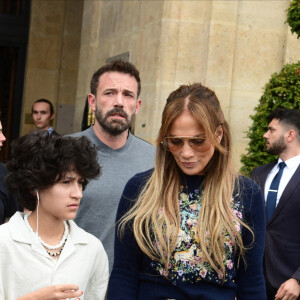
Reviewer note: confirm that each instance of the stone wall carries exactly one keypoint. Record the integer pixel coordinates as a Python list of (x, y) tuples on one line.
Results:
[(231, 46), (53, 55)]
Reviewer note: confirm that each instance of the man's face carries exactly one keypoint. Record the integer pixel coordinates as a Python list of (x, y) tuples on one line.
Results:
[(41, 115), (275, 141), (2, 137), (116, 103)]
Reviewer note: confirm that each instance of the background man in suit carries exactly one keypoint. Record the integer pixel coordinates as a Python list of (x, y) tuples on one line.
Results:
[(114, 100), (42, 114), (282, 250)]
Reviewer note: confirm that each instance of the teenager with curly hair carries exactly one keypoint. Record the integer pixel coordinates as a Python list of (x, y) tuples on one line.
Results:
[(44, 254), (192, 228)]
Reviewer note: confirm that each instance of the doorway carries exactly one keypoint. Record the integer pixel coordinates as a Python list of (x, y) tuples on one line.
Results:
[(14, 27)]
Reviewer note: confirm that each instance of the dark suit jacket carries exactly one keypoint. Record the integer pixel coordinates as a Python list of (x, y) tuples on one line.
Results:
[(8, 202), (282, 248), (54, 133)]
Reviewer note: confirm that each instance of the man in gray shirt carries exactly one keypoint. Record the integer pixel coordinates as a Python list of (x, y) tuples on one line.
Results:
[(115, 89)]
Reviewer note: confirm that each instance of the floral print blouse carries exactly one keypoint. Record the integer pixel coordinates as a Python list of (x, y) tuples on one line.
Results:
[(187, 263)]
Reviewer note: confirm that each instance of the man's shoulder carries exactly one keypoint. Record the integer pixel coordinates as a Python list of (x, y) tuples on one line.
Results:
[(81, 133), (142, 147), (143, 152), (142, 142), (88, 133), (54, 133), (263, 168)]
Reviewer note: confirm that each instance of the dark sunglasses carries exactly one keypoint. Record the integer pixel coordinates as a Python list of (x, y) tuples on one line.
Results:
[(174, 143)]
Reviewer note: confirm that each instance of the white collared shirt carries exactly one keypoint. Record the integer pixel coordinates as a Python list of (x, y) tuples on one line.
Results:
[(25, 265), (291, 167)]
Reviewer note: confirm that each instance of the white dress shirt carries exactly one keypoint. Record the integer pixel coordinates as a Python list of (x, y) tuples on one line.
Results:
[(291, 167), (25, 265)]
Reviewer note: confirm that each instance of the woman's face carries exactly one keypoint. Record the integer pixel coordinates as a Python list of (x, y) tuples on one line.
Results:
[(193, 155), (61, 201)]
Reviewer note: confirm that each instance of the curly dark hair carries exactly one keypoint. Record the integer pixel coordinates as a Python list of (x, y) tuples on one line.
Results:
[(39, 161)]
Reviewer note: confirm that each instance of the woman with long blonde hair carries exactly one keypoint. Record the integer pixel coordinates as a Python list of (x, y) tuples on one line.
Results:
[(192, 228)]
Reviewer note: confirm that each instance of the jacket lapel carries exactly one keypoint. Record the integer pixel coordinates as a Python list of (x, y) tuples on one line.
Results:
[(288, 191), (263, 176)]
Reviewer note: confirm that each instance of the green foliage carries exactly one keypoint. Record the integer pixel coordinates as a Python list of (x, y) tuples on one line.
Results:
[(293, 17), (283, 90)]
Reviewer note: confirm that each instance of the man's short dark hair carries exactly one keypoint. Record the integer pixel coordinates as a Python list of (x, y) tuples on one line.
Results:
[(116, 66), (287, 116), (45, 101), (38, 161)]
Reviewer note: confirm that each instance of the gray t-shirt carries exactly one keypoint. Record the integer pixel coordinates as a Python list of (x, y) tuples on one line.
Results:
[(98, 207)]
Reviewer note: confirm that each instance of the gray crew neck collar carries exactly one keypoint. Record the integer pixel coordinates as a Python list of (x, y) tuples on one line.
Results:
[(105, 147)]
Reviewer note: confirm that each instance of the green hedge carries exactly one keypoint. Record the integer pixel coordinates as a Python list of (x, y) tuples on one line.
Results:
[(293, 17), (283, 90)]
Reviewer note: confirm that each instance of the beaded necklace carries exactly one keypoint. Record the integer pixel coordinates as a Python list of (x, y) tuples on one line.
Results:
[(58, 252), (59, 245)]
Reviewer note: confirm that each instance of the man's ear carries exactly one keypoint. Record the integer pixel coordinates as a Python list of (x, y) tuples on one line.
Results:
[(52, 117), (291, 135), (92, 102), (138, 105)]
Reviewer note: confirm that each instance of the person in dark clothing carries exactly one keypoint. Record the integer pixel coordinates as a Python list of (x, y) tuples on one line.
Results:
[(280, 183), (191, 228), (42, 115), (8, 203)]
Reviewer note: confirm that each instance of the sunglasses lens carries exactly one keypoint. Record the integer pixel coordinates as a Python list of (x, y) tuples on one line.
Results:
[(172, 144), (176, 143), (197, 143)]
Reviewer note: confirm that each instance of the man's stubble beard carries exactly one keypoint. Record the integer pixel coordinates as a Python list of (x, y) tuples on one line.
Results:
[(277, 147), (114, 127)]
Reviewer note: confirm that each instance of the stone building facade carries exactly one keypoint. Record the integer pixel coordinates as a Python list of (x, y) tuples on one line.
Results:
[(231, 46)]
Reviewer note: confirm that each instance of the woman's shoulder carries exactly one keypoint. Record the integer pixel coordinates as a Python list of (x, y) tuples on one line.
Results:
[(132, 189), (249, 193), (247, 184), (142, 176), (137, 181)]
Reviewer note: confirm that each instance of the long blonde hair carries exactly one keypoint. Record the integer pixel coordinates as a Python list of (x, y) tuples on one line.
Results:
[(157, 236)]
